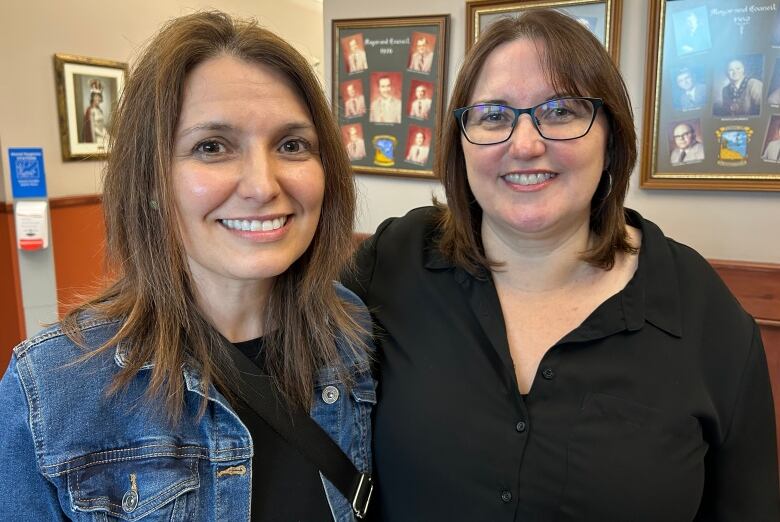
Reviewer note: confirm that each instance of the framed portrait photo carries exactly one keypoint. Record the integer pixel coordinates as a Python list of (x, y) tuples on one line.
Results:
[(712, 97), (601, 17), (88, 90), (388, 91)]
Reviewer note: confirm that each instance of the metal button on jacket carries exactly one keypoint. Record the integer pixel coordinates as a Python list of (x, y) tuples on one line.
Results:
[(130, 501), (520, 427), (330, 394), (506, 496), (130, 498), (548, 373)]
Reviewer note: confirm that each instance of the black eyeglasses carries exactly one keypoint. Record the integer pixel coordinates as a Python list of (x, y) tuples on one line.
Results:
[(558, 119)]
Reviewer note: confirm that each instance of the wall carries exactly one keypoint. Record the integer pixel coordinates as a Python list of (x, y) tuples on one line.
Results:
[(722, 225), (32, 31)]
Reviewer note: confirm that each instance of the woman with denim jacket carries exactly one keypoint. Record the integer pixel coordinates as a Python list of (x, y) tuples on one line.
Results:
[(229, 203)]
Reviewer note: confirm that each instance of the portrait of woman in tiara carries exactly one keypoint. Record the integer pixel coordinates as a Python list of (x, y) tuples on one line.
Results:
[(94, 126)]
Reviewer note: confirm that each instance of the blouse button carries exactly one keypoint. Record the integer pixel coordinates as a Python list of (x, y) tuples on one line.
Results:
[(548, 374), (506, 496), (330, 394), (520, 427)]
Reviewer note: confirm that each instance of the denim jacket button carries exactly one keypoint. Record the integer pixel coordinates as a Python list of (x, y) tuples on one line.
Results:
[(130, 501), (330, 394)]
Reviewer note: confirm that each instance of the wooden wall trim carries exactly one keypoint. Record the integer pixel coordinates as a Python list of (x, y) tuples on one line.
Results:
[(76, 201), (65, 201), (756, 286)]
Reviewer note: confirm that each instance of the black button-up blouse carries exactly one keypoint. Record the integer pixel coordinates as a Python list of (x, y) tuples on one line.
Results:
[(656, 408)]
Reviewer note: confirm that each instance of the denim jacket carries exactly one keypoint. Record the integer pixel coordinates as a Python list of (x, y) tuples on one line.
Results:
[(70, 451)]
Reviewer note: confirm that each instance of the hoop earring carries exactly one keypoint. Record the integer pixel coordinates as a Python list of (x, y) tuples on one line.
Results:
[(609, 185)]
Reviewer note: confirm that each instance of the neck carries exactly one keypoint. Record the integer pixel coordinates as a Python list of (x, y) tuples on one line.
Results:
[(540, 263), (235, 308)]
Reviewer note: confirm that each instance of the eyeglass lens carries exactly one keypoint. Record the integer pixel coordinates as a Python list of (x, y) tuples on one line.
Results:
[(558, 119)]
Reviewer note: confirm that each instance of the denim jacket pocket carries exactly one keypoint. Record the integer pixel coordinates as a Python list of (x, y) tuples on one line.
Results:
[(154, 488)]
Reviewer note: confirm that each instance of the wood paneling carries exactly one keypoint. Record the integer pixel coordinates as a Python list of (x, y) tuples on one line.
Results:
[(12, 329), (78, 238), (757, 287)]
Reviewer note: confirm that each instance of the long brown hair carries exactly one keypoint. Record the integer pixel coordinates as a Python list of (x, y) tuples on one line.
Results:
[(577, 64), (153, 296)]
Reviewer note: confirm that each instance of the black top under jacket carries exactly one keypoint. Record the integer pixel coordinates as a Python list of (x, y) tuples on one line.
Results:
[(286, 486), (656, 408)]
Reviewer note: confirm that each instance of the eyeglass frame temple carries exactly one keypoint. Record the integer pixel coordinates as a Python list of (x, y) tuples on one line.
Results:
[(595, 102)]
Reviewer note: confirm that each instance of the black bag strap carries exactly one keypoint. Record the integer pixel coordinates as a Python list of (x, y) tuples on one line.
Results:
[(300, 430)]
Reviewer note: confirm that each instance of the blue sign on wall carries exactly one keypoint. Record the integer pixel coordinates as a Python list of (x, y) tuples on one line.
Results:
[(28, 179)]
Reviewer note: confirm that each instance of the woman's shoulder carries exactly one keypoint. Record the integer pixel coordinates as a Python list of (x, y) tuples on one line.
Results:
[(55, 344), (683, 273), (418, 222)]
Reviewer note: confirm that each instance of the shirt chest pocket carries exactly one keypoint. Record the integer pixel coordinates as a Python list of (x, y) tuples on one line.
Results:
[(627, 461), (157, 488)]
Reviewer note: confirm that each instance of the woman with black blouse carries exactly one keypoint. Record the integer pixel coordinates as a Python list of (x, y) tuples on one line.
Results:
[(546, 353)]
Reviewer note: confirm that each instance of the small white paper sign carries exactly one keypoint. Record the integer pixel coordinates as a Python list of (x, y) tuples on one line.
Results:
[(32, 224)]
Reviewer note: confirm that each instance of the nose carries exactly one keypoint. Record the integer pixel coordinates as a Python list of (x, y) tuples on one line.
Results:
[(259, 176), (526, 142)]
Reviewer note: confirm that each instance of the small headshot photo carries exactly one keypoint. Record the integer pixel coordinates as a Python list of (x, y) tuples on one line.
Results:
[(419, 101), (771, 150), (738, 88), (691, 31), (418, 145), (685, 144), (774, 86), (352, 137), (353, 101), (354, 53), (385, 97), (690, 92), (421, 52)]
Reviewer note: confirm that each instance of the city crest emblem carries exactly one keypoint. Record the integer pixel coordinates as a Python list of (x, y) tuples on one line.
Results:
[(733, 145), (384, 150)]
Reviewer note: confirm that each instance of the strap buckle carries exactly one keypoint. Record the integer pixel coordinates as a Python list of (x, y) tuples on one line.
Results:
[(362, 496)]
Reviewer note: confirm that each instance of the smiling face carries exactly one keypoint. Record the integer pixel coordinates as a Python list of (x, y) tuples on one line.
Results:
[(685, 81), (248, 181), (683, 136), (419, 138), (735, 71), (530, 186), (419, 92), (385, 88)]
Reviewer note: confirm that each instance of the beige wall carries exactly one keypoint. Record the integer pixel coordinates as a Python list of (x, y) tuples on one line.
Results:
[(724, 225), (31, 31)]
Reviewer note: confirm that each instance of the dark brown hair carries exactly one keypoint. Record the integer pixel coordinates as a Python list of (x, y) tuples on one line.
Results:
[(577, 64), (154, 296)]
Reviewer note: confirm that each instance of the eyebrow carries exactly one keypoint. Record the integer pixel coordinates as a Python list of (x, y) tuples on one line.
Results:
[(226, 127), (553, 96)]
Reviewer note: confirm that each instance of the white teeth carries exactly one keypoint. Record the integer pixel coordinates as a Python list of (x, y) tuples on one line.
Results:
[(528, 179), (254, 225)]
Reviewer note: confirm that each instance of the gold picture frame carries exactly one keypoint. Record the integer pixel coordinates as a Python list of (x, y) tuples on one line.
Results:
[(712, 97), (88, 90), (601, 16)]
